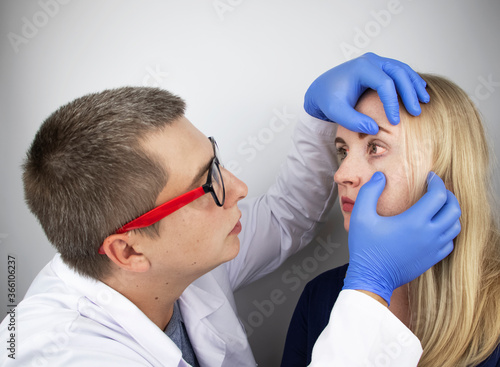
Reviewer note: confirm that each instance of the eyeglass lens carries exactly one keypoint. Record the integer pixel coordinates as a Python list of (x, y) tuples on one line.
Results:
[(217, 182)]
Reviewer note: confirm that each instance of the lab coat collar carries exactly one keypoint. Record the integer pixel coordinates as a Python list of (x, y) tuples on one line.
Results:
[(206, 302), (197, 306), (212, 324), (108, 307)]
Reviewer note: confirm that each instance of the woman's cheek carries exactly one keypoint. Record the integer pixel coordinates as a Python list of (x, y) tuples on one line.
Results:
[(395, 197)]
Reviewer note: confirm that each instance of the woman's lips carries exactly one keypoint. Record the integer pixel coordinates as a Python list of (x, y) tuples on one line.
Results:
[(347, 204)]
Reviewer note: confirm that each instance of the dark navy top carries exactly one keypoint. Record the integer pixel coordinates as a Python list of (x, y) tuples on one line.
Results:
[(312, 314)]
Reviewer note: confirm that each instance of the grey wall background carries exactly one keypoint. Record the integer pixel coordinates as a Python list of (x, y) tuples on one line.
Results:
[(237, 63)]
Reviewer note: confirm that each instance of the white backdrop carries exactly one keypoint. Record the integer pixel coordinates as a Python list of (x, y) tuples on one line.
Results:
[(238, 64)]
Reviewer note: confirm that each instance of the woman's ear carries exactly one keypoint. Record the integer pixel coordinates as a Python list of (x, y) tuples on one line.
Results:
[(119, 249)]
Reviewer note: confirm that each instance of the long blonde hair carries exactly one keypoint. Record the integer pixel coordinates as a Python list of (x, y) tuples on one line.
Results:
[(455, 306)]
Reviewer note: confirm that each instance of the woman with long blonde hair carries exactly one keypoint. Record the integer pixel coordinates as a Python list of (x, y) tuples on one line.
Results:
[(453, 308)]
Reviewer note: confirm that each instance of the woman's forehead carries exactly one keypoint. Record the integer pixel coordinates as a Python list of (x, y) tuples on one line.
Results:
[(371, 105)]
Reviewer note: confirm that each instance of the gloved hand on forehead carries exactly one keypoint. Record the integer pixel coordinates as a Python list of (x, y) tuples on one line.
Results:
[(333, 95), (387, 252)]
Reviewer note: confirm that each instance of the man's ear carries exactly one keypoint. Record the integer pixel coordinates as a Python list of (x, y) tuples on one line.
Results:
[(120, 251)]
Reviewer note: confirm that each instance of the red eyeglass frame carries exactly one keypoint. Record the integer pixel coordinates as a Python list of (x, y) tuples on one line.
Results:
[(165, 209)]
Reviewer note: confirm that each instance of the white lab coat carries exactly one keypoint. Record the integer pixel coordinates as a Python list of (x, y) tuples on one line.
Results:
[(69, 320)]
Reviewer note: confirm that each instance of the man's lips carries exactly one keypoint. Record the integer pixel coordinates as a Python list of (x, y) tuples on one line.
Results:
[(347, 204), (237, 228)]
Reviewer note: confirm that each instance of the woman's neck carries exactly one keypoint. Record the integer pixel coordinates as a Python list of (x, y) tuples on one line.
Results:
[(400, 305)]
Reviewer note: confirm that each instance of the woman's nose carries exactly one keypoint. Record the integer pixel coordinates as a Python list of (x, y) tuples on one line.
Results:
[(349, 173), (235, 188)]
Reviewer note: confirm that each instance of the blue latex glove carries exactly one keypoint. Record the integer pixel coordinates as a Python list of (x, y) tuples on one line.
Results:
[(333, 95), (387, 252)]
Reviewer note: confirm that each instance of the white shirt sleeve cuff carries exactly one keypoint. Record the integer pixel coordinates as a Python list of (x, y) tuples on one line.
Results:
[(362, 332)]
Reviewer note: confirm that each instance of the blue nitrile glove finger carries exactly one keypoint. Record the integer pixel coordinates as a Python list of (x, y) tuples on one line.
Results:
[(410, 86), (387, 252), (333, 95)]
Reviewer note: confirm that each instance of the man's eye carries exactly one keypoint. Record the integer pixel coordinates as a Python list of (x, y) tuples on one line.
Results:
[(341, 153), (375, 149)]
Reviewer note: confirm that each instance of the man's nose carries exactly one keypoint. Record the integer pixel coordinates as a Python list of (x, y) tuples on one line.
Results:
[(235, 188)]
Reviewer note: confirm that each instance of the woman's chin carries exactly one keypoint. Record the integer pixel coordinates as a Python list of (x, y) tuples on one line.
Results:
[(346, 224)]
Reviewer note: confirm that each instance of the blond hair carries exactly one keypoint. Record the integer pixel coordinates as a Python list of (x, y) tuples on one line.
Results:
[(455, 306)]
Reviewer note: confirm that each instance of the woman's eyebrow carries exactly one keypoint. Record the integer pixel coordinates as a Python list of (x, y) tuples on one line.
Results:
[(383, 129), (362, 135)]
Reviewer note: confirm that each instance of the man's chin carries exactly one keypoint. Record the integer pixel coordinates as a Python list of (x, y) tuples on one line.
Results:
[(234, 249)]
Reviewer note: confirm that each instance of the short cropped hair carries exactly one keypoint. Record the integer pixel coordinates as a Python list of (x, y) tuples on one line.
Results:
[(86, 174)]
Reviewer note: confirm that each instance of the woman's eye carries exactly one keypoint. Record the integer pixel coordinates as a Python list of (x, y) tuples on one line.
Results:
[(341, 153), (375, 149)]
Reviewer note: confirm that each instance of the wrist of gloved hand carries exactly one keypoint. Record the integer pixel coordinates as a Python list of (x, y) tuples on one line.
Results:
[(362, 280)]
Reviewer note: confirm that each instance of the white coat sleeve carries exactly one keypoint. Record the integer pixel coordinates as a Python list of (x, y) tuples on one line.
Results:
[(286, 218), (362, 332)]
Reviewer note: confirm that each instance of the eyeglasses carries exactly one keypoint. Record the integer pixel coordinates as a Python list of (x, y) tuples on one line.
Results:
[(214, 186)]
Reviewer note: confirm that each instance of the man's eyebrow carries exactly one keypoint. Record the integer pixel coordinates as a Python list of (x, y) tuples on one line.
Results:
[(383, 129), (200, 174), (339, 140)]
